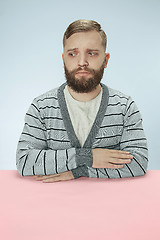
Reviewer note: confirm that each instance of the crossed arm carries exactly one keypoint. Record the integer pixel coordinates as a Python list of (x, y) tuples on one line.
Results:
[(33, 157), (101, 158)]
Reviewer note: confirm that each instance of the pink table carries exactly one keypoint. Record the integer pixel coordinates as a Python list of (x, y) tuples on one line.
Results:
[(80, 209)]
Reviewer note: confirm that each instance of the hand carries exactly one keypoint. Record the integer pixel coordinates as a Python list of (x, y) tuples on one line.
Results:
[(55, 177), (106, 158)]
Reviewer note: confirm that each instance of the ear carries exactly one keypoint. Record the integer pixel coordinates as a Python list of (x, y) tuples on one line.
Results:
[(63, 56), (106, 59)]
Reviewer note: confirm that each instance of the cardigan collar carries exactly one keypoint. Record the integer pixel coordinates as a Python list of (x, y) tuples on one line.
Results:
[(68, 123)]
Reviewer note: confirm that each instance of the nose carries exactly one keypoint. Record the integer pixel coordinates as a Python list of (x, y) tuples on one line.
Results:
[(82, 60)]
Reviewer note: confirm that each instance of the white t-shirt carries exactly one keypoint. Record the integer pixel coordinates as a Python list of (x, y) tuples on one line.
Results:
[(82, 114)]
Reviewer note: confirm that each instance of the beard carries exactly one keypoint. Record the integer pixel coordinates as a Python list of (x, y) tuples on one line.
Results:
[(83, 84)]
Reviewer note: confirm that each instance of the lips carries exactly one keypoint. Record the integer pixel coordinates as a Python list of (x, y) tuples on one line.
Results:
[(80, 72)]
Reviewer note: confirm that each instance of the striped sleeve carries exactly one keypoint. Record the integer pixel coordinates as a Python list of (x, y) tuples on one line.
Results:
[(33, 157), (133, 140)]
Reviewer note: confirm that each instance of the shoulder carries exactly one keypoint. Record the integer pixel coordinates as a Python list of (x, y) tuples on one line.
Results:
[(46, 95), (48, 98), (117, 95), (46, 101), (121, 99)]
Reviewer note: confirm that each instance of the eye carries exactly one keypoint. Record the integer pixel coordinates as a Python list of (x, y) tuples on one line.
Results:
[(72, 54), (92, 53)]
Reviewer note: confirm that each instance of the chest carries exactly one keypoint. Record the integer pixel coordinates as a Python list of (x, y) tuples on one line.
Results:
[(105, 131)]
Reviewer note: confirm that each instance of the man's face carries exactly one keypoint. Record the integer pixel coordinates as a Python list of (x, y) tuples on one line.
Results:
[(84, 61)]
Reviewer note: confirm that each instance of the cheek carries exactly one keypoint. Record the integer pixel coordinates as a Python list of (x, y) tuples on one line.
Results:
[(71, 64), (95, 64)]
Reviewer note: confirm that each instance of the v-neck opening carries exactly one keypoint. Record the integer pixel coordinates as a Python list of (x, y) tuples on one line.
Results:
[(96, 124)]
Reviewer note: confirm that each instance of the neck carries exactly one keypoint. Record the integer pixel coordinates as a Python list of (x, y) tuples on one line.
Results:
[(85, 97)]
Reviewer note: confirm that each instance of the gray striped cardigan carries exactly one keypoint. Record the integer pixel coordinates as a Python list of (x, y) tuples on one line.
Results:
[(49, 145)]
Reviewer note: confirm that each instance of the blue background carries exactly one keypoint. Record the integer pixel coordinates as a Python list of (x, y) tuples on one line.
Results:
[(31, 59)]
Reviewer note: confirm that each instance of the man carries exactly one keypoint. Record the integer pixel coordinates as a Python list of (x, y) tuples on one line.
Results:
[(83, 127)]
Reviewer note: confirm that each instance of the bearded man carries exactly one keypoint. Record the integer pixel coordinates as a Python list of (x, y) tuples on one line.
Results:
[(82, 128)]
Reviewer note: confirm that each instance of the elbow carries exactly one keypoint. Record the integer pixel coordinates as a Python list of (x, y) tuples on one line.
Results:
[(20, 165), (142, 169), (140, 174), (23, 172), (140, 162), (21, 160), (19, 170)]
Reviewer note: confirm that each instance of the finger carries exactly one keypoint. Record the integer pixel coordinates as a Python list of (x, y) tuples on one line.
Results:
[(57, 179), (120, 160), (124, 161), (122, 156), (129, 156), (118, 151), (116, 166), (47, 176), (49, 180)]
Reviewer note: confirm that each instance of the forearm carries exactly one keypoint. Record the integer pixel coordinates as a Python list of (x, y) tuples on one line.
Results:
[(45, 162), (134, 141), (137, 167), (34, 157)]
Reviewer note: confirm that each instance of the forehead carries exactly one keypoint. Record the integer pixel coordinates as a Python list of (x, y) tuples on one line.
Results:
[(91, 39)]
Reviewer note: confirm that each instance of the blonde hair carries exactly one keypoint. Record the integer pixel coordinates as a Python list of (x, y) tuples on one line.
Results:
[(84, 25)]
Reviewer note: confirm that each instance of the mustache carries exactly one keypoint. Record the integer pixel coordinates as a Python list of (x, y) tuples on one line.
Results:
[(83, 69)]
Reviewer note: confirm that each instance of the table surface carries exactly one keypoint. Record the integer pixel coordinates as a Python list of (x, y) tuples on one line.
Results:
[(83, 208)]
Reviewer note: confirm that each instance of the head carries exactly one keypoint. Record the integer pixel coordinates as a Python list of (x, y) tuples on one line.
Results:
[(84, 57)]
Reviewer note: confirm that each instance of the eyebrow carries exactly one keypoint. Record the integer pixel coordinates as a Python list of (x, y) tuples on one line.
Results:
[(88, 49)]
